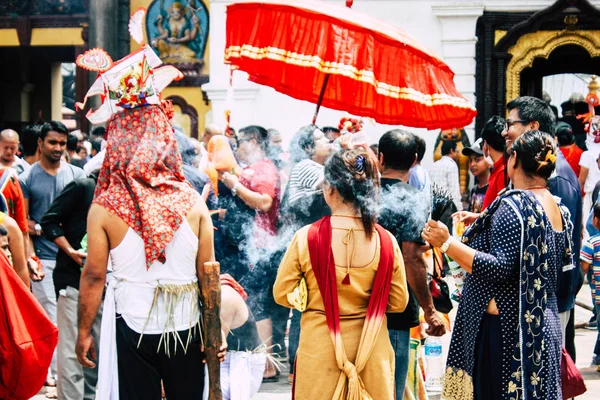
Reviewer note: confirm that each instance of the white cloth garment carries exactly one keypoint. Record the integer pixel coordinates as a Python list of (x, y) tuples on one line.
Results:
[(241, 375), (95, 163), (108, 371), (444, 173), (130, 292)]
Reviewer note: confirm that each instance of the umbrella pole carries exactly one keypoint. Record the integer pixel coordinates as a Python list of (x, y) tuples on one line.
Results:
[(321, 95)]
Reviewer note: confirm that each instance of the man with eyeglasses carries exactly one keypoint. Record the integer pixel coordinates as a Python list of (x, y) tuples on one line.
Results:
[(526, 114)]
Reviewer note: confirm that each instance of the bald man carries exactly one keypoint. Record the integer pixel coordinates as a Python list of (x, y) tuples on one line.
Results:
[(12, 201), (210, 131), (9, 146)]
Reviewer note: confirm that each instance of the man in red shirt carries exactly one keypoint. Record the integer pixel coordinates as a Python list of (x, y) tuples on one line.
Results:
[(258, 187), (566, 144), (494, 146)]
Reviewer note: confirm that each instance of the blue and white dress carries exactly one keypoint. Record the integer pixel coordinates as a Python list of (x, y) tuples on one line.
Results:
[(517, 261)]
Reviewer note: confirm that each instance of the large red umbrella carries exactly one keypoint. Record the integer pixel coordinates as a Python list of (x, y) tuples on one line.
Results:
[(344, 60)]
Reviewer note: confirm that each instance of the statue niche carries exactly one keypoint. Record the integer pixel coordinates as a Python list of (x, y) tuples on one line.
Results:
[(178, 32)]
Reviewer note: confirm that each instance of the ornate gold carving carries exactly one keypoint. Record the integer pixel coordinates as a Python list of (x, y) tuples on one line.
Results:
[(498, 35), (542, 44), (571, 22)]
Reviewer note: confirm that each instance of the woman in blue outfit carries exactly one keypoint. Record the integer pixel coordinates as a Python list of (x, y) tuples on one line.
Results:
[(506, 342)]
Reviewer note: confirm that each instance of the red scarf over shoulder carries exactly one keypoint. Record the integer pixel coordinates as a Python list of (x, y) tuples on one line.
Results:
[(350, 385)]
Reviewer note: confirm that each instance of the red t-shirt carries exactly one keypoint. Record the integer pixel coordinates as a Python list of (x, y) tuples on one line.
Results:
[(573, 154), (496, 182), (263, 177), (15, 201)]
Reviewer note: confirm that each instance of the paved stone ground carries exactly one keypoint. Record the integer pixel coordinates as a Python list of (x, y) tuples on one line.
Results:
[(584, 340)]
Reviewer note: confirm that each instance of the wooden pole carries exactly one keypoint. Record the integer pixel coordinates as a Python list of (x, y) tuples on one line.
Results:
[(210, 287), (321, 95)]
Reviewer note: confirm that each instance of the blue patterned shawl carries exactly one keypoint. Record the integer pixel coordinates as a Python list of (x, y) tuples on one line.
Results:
[(530, 353)]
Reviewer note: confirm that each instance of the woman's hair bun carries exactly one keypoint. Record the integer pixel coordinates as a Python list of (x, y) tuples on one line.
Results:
[(536, 153)]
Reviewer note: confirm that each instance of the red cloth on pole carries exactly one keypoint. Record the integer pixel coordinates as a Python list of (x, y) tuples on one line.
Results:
[(27, 340), (373, 69)]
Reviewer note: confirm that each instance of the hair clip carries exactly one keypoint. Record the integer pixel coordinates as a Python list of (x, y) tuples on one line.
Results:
[(360, 164), (550, 156)]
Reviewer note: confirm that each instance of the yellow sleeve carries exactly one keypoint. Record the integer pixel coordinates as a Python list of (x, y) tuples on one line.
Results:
[(288, 274), (398, 290)]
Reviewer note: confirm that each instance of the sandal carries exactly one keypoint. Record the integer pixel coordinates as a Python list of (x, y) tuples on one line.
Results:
[(273, 378), (51, 393)]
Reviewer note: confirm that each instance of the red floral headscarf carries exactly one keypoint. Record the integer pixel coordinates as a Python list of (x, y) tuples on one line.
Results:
[(141, 180)]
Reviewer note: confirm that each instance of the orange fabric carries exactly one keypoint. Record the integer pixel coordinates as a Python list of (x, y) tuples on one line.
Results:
[(220, 159), (573, 155), (14, 199), (27, 339), (221, 155)]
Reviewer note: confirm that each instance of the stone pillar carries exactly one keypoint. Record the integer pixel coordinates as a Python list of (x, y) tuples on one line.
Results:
[(242, 101), (103, 30), (459, 21), (56, 91)]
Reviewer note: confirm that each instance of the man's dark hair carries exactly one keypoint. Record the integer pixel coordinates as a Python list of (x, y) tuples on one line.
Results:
[(3, 231), (567, 107), (421, 148), (258, 133), (97, 144), (375, 148), (98, 131), (54, 126), (29, 139), (72, 142), (532, 109), (448, 146), (564, 134), (492, 133), (596, 210), (330, 129), (399, 149)]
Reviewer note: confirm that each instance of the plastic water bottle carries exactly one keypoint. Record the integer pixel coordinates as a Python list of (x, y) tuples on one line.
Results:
[(434, 372)]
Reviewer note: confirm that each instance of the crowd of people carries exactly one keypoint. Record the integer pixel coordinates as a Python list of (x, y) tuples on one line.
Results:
[(111, 233)]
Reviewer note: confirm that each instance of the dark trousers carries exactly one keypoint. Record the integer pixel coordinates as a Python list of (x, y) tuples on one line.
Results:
[(597, 346), (570, 336), (487, 372), (294, 338), (142, 368)]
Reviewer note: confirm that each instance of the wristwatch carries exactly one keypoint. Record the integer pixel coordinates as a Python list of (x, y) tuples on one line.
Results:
[(38, 229), (446, 245)]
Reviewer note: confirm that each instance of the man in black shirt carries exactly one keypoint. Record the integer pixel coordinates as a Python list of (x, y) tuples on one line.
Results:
[(404, 212), (65, 223)]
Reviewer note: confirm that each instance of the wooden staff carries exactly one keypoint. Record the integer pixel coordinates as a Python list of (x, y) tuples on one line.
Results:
[(210, 287)]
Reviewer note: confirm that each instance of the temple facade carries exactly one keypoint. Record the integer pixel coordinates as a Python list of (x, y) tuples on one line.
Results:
[(498, 49)]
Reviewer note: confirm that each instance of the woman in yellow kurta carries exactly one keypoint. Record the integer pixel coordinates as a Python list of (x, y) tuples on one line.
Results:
[(354, 274)]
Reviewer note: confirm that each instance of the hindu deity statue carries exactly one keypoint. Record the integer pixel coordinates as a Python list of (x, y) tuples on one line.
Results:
[(176, 40), (462, 140)]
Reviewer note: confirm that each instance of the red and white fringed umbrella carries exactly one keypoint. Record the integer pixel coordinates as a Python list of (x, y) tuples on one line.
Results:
[(345, 60)]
